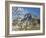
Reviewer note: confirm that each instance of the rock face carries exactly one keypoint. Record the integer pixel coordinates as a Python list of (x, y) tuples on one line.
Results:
[(27, 17)]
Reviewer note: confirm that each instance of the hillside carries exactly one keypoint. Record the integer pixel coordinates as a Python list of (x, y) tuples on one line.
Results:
[(28, 22)]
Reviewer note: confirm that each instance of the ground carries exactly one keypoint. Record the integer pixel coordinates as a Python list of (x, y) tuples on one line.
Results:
[(26, 25)]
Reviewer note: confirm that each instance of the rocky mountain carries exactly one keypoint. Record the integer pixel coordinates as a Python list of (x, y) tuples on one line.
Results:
[(27, 17)]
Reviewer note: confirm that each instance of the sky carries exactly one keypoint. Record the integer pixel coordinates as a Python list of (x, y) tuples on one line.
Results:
[(35, 11), (16, 11)]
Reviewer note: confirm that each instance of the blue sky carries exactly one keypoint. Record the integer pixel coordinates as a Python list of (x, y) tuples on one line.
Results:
[(24, 10), (35, 11)]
